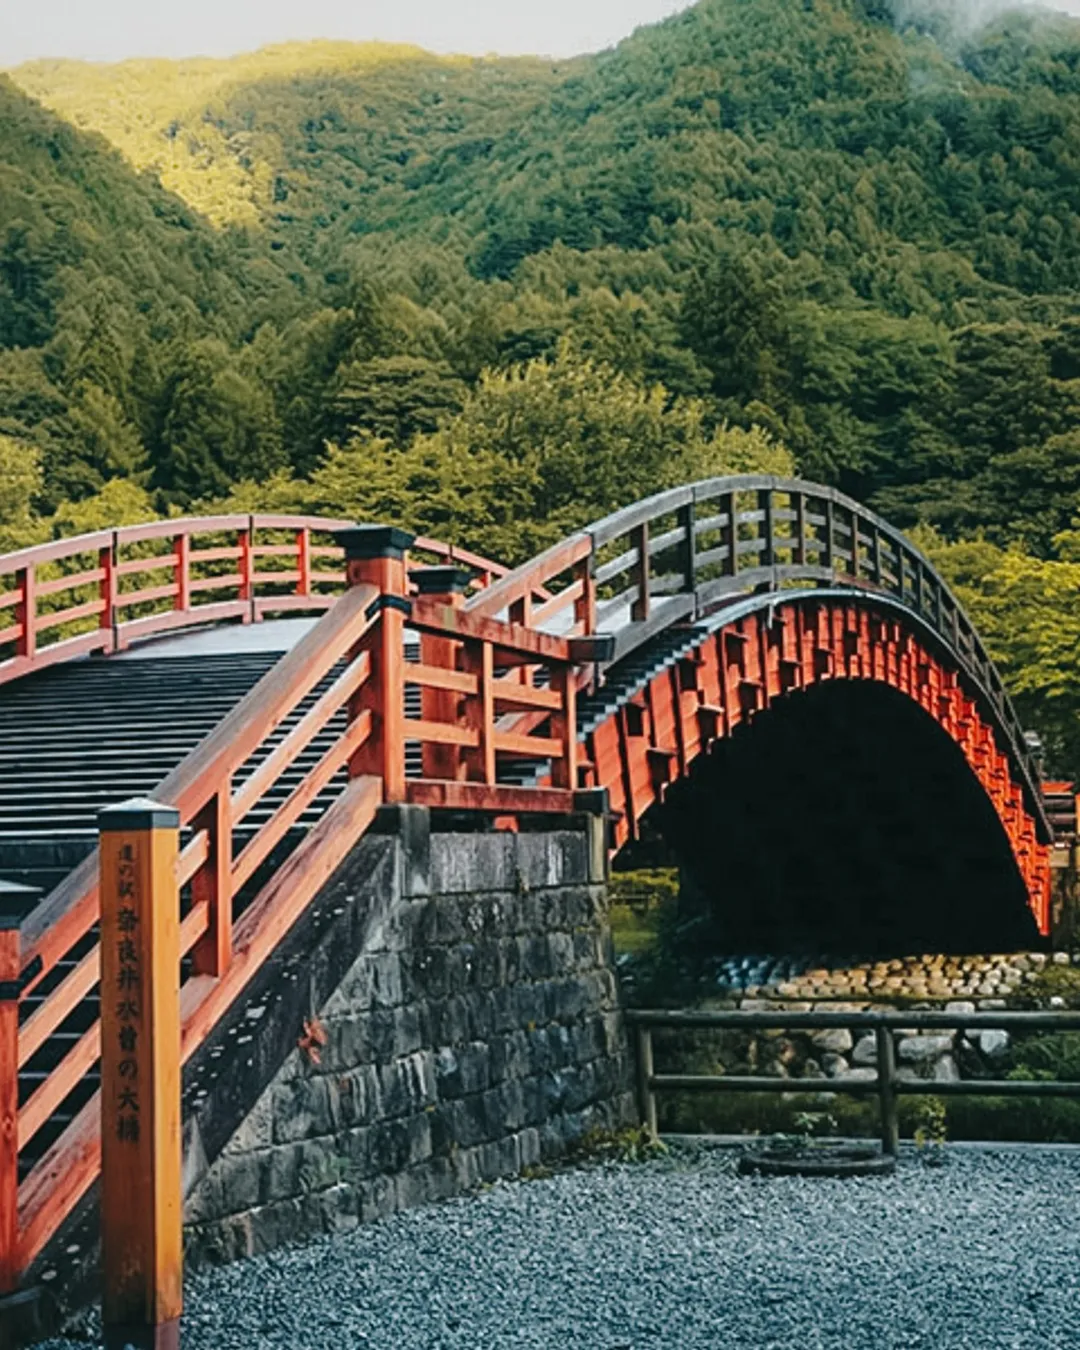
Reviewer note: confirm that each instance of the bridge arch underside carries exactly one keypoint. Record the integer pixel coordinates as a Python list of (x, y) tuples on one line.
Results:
[(845, 821), (827, 783)]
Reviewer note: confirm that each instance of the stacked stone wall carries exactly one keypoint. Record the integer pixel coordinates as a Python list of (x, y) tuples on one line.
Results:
[(476, 1032)]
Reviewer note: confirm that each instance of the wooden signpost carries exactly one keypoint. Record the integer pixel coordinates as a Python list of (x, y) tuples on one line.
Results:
[(141, 1198)]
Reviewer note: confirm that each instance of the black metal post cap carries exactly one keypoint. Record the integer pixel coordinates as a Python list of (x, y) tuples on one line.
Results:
[(362, 542), (447, 580), (138, 813)]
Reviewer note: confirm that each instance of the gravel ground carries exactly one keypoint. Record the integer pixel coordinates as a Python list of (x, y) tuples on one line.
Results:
[(978, 1254)]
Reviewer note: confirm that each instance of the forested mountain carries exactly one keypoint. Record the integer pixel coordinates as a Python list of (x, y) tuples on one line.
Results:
[(372, 275)]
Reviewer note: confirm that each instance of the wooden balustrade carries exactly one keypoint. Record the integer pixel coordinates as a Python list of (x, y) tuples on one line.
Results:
[(100, 592), (351, 663), (687, 552)]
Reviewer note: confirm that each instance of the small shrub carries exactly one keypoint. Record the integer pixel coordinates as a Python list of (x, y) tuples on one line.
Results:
[(1060, 981), (931, 1129), (630, 1145)]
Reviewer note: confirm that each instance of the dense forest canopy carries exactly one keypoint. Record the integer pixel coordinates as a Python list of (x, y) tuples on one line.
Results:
[(842, 235)]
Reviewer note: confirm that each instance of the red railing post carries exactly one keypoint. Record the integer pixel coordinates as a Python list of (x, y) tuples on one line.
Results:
[(26, 612), (640, 606), (479, 660), (246, 543), (303, 561), (585, 604), (564, 728), (141, 1192), (9, 1103), (441, 705), (212, 883), (375, 556), (107, 588), (182, 572)]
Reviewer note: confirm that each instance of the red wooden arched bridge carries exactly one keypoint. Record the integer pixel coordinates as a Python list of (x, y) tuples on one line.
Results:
[(421, 674)]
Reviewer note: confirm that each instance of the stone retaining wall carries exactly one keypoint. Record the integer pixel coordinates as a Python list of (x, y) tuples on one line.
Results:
[(476, 1032)]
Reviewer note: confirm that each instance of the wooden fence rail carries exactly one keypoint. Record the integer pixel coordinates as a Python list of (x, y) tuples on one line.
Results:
[(887, 1086)]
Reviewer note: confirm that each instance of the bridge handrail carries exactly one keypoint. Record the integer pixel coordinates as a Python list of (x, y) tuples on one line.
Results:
[(103, 590), (214, 789), (343, 683), (769, 533)]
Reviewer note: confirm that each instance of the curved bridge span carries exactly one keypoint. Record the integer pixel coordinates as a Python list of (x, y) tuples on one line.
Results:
[(608, 673)]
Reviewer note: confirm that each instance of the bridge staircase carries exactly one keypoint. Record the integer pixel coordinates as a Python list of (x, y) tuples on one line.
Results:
[(437, 678)]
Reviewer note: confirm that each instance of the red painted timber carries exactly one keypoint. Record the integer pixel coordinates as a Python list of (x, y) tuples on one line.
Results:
[(742, 667)]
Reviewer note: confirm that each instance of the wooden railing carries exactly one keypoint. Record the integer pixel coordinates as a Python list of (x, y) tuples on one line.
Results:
[(682, 555), (214, 791), (887, 1086), (100, 592), (332, 714), (497, 671)]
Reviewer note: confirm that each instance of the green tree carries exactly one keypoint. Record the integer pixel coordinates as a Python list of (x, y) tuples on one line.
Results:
[(20, 482), (214, 424)]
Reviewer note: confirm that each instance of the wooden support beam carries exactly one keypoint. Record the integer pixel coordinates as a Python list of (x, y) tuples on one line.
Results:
[(479, 660), (26, 613), (513, 641), (303, 562), (182, 575), (499, 800), (141, 1195), (442, 683)]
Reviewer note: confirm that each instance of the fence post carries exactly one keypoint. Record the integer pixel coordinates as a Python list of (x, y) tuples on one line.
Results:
[(688, 522), (886, 1067), (303, 561), (182, 571), (375, 556), (767, 556), (26, 612), (9, 1102), (639, 609), (585, 604), (646, 1096), (830, 534), (141, 1198), (107, 589), (564, 772), (479, 660), (245, 541), (441, 705), (212, 883), (730, 533), (798, 500)]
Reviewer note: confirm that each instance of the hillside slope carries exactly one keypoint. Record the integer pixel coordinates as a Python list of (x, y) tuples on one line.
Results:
[(818, 126), (812, 216), (100, 271), (445, 291)]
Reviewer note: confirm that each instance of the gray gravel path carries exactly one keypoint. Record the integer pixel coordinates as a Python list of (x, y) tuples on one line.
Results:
[(681, 1253)]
